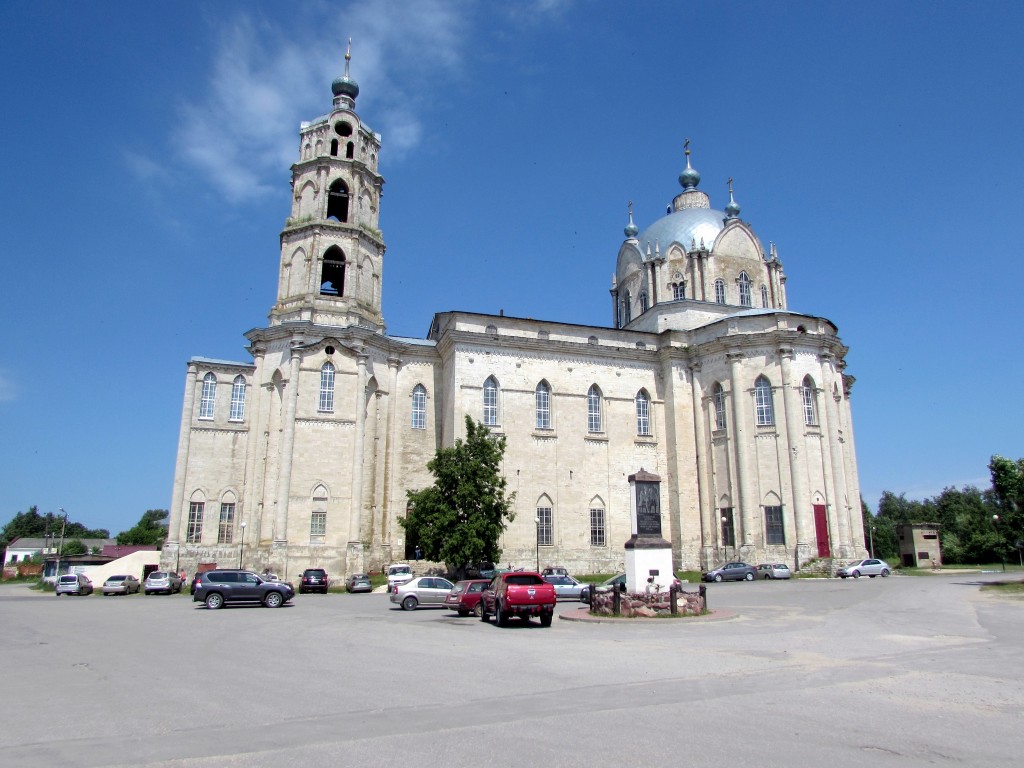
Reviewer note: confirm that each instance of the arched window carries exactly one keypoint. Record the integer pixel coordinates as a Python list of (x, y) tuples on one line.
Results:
[(350, 150), (543, 398), (318, 515), (332, 273), (337, 201), (764, 296), (194, 531), (678, 291), (491, 402), (764, 407), (334, 147), (719, 291), (643, 413), (226, 523), (209, 397), (627, 312), (744, 283), (718, 397), (238, 399), (594, 409), (807, 393), (419, 407), (327, 388), (642, 298), (545, 523)]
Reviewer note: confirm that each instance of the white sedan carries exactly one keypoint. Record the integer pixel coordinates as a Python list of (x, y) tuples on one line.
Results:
[(426, 590), (870, 567), (566, 587)]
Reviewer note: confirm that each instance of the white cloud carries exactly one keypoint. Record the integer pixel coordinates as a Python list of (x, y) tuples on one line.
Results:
[(7, 389), (242, 129)]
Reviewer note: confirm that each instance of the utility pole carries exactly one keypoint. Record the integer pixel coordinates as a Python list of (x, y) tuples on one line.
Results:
[(60, 549)]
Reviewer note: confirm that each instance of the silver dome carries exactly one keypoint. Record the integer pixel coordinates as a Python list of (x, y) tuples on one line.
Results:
[(684, 227)]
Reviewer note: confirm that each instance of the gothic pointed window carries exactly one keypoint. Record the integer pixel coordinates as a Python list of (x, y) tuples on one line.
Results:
[(719, 291), (326, 388), (238, 399), (597, 525), (226, 523), (594, 409), (332, 273), (194, 531), (627, 312), (419, 407), (642, 298), (334, 147), (764, 296), (744, 283), (643, 413), (337, 201), (208, 399), (542, 396), (763, 404), (807, 394), (718, 398), (491, 402), (545, 523)]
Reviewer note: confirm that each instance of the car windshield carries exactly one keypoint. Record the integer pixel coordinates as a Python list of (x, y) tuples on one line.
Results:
[(68, 579), (524, 578), (158, 575), (117, 578)]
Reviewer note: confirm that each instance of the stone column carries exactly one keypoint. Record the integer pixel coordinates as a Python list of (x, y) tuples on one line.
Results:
[(355, 512), (254, 407), (181, 459), (838, 513), (707, 520), (852, 477), (742, 446), (388, 515), (284, 477), (793, 405)]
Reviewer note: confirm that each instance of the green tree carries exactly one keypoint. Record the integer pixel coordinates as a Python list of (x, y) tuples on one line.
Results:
[(150, 531), (74, 547), (459, 519), (1008, 500)]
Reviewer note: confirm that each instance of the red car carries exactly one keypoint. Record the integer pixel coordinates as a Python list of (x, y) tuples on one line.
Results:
[(465, 595)]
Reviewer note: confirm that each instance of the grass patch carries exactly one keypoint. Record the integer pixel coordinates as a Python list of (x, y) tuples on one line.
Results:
[(1011, 588)]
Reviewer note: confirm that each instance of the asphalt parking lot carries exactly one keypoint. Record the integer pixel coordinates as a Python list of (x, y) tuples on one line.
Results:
[(904, 671)]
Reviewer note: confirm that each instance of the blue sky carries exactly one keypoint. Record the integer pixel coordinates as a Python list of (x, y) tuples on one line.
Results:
[(146, 150)]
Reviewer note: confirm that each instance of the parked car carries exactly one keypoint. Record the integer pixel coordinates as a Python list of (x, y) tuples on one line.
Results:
[(482, 570), (359, 582), (871, 567), (314, 580), (162, 581), (232, 585), (615, 582), (732, 572), (121, 585), (520, 594), (398, 573), (555, 570), (566, 587), (464, 596), (773, 571), (424, 590), (73, 584)]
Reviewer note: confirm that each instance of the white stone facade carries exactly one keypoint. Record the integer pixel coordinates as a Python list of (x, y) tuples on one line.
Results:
[(303, 456)]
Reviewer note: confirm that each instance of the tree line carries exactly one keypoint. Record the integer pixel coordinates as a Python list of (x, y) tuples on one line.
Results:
[(976, 526), (151, 530)]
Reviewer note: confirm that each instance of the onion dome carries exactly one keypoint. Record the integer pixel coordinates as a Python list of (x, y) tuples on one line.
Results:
[(689, 178), (345, 85), (732, 209), (631, 229)]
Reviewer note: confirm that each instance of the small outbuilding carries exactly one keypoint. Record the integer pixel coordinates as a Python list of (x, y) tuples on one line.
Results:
[(920, 546)]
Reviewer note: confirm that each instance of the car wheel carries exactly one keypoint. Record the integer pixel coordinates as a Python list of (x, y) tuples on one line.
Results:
[(856, 574), (214, 600), (273, 600), (545, 619), (500, 617), (718, 577), (749, 577), (885, 572), (479, 611), (410, 603)]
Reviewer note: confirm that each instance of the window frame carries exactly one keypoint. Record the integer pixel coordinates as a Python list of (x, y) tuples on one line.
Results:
[(719, 291), (764, 402), (642, 403), (808, 399), (208, 398), (774, 528), (326, 404), (542, 405), (419, 407), (594, 415), (194, 529), (746, 298), (545, 527), (490, 402), (226, 523), (237, 412), (598, 531), (718, 402)]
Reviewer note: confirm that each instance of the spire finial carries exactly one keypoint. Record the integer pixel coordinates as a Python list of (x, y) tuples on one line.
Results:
[(689, 178), (631, 229), (345, 86), (732, 210)]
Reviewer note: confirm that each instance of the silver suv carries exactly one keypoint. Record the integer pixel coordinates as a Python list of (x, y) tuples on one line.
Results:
[(73, 584), (231, 585), (162, 581)]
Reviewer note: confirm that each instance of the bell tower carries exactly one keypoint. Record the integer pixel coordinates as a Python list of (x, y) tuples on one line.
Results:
[(332, 251)]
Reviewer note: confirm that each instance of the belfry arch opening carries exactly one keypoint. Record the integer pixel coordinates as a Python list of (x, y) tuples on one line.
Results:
[(337, 201), (332, 274)]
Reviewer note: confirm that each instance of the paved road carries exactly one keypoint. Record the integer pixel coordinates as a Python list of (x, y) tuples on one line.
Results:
[(881, 672)]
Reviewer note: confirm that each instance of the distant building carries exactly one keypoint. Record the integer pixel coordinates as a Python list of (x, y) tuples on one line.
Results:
[(920, 546), (302, 456)]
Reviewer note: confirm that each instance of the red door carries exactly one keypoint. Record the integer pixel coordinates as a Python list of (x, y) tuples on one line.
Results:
[(821, 531)]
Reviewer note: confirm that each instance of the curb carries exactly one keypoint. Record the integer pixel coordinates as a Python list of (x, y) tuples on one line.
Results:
[(583, 615)]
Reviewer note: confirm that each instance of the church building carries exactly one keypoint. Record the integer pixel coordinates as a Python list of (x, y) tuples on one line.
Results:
[(302, 456)]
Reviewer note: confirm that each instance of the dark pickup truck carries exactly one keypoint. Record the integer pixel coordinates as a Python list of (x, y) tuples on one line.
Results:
[(517, 593)]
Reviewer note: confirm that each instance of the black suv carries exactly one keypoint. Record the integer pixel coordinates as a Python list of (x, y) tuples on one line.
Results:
[(314, 580), (230, 585)]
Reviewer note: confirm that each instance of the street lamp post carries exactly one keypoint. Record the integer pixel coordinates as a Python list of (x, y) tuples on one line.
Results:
[(60, 549), (995, 525), (725, 542), (871, 537), (241, 545), (537, 541)]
